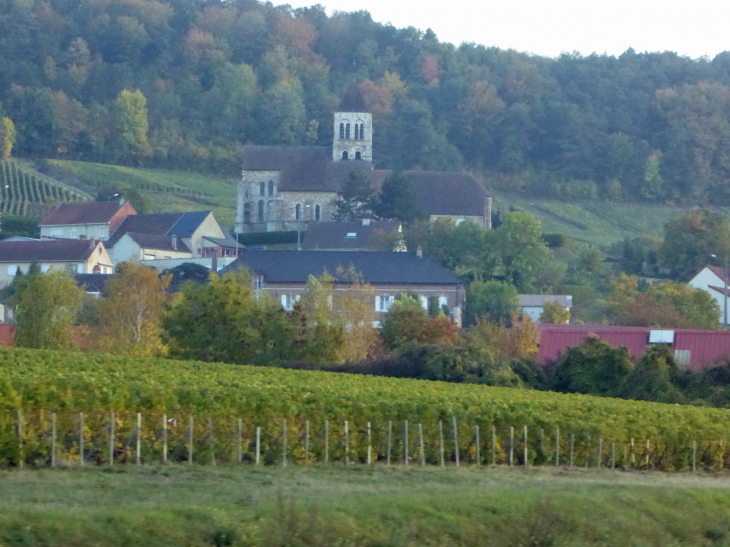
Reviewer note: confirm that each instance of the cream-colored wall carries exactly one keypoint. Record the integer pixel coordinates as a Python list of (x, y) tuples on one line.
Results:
[(209, 227), (91, 231), (126, 249)]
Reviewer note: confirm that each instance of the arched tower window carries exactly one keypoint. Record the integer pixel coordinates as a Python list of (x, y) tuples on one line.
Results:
[(347, 131), (317, 212), (271, 187), (362, 131), (345, 156), (342, 130), (298, 211), (262, 212), (358, 156), (262, 189)]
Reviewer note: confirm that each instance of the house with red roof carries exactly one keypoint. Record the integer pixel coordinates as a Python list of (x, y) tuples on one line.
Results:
[(85, 220)]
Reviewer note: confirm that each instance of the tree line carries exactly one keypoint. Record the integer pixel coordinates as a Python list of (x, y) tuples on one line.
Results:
[(186, 83)]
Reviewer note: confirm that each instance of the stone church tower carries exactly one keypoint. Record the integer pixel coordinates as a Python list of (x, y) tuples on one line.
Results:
[(353, 129)]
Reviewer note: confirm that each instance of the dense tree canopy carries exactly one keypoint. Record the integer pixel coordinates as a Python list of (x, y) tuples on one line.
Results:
[(217, 75)]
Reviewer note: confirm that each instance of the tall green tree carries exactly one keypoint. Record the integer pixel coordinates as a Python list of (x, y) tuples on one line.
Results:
[(132, 125), (397, 199), (495, 301), (691, 239), (44, 306), (355, 200), (7, 137)]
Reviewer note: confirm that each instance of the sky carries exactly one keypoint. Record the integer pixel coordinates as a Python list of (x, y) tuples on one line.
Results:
[(551, 27)]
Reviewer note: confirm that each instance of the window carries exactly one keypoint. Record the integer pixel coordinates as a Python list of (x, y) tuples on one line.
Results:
[(73, 233), (13, 270), (261, 217), (383, 303), (258, 283), (262, 189), (246, 213), (149, 256), (682, 356), (46, 267), (442, 302), (288, 301), (342, 130), (424, 302), (344, 155), (317, 212), (358, 156), (362, 132), (56, 232), (298, 211), (79, 268), (347, 131), (103, 232), (377, 325), (271, 187)]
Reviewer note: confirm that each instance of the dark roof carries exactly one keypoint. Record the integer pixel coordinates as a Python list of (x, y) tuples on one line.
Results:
[(302, 168), (93, 283), (94, 212), (353, 101), (160, 224), (376, 267), (159, 243), (334, 235), (56, 250), (443, 193)]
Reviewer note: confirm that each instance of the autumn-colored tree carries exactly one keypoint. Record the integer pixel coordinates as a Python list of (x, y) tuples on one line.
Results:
[(44, 306), (354, 307), (321, 331), (407, 323), (132, 125), (132, 311), (7, 137), (500, 342), (556, 313)]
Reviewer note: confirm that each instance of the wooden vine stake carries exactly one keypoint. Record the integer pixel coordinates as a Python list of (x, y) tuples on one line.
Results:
[(613, 456), (694, 456), (600, 451), (306, 441), (190, 440), (53, 440), (456, 442), (111, 441), (21, 461), (479, 458), (441, 439), (494, 445), (239, 441), (557, 448), (390, 432), (525, 447), (139, 440), (326, 441), (258, 445), (347, 443), (370, 445), (405, 442), (511, 445), (164, 438), (283, 442), (81, 438), (212, 441), (572, 445), (420, 440)]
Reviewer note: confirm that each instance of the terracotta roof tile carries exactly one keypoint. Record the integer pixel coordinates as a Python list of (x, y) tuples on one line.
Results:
[(94, 212)]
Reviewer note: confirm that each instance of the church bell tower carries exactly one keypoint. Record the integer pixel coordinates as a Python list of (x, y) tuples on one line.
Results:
[(353, 130)]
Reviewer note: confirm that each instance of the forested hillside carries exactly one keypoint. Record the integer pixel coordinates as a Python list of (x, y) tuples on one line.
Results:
[(214, 75)]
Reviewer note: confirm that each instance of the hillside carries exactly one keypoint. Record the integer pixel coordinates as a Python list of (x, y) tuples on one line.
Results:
[(26, 192), (169, 191)]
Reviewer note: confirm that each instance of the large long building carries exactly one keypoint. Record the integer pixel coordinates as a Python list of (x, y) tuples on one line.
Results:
[(288, 188)]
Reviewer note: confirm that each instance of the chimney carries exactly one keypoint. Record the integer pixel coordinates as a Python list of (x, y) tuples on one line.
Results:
[(419, 252), (92, 243), (174, 242)]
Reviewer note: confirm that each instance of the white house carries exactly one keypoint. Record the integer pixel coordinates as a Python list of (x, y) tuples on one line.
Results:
[(712, 280), (533, 305)]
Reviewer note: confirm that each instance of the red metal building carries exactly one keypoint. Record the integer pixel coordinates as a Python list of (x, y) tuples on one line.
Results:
[(693, 348)]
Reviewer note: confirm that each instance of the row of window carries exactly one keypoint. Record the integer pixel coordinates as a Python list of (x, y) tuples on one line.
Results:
[(262, 188), (382, 303), (346, 155), (76, 268), (358, 134), (58, 232), (298, 211)]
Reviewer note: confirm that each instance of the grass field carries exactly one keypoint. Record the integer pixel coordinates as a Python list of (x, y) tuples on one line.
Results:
[(360, 506)]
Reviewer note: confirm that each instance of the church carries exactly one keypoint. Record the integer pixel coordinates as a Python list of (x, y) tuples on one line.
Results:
[(286, 188)]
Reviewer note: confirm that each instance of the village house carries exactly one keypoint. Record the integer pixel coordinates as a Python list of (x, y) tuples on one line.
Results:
[(532, 305), (284, 275), (86, 220), (170, 236), (78, 256), (712, 279), (291, 188)]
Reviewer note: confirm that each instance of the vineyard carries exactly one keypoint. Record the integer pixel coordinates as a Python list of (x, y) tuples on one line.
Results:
[(24, 191), (169, 190), (57, 406)]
